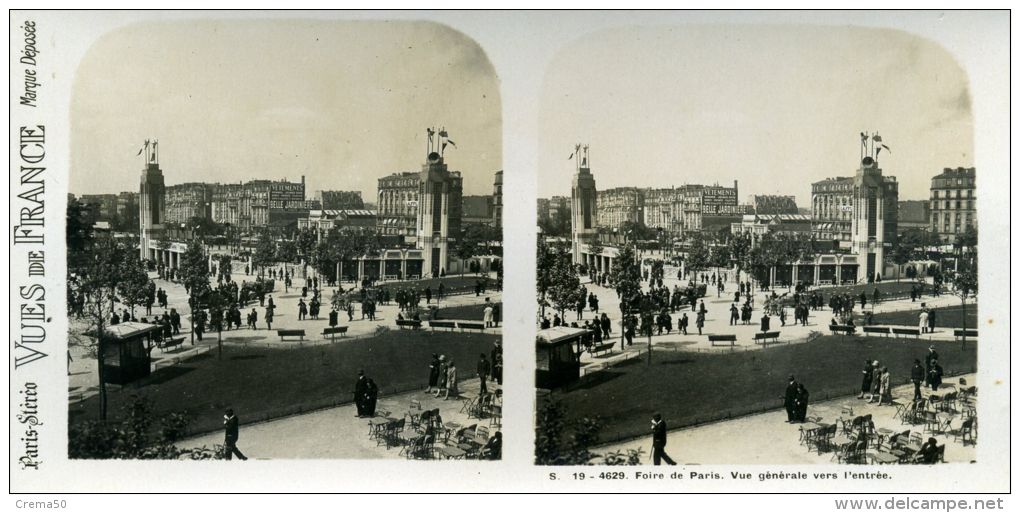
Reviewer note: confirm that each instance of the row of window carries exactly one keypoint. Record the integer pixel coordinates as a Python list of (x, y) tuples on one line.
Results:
[(952, 193), (948, 205)]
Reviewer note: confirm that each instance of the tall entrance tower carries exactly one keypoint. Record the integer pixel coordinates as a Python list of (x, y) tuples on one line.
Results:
[(439, 205), (151, 200), (582, 204), (875, 212)]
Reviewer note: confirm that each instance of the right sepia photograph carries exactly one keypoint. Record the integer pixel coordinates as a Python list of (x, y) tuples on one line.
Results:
[(756, 244)]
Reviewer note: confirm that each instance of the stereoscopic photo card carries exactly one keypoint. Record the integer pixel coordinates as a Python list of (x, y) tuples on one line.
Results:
[(281, 245)]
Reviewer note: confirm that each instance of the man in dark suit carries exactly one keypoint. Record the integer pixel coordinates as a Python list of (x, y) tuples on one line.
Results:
[(360, 387), (230, 436), (659, 441), (765, 322), (928, 359), (790, 400), (917, 376)]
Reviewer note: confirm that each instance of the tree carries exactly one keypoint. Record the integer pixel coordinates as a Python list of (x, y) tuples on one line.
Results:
[(739, 248), (133, 284), (287, 251), (139, 435), (195, 277), (265, 251), (469, 243), (964, 286), (92, 285), (545, 266), (559, 441), (698, 255)]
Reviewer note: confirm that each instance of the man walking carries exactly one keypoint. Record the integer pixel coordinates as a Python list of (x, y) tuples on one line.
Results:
[(917, 377), (659, 441), (483, 372), (230, 436), (360, 387), (790, 400)]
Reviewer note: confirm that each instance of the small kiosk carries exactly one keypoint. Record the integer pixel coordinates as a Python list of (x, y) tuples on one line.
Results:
[(557, 359), (126, 351)]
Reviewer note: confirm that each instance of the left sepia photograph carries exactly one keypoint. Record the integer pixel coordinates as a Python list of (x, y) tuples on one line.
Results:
[(284, 241)]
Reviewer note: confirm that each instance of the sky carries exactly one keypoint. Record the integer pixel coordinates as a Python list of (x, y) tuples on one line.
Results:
[(775, 107), (341, 102)]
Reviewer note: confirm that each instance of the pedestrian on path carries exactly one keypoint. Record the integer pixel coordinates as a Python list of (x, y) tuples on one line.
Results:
[(360, 388), (923, 321), (885, 389), (790, 399), (917, 378), (483, 372), (269, 317), (867, 375), (659, 441), (801, 405), (230, 432), (433, 373)]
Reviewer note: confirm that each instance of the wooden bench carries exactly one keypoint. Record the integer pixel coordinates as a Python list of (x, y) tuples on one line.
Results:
[(442, 324), (916, 332), (166, 343), (480, 326), (845, 330), (605, 347), (884, 330), (764, 337), (958, 334), (408, 323), (291, 333), (713, 339), (332, 332)]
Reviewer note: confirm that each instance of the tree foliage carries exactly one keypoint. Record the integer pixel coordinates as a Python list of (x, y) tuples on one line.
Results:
[(139, 435), (626, 276), (698, 256), (559, 441)]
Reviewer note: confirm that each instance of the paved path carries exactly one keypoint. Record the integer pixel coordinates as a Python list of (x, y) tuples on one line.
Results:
[(337, 433), (717, 322), (84, 379), (768, 439)]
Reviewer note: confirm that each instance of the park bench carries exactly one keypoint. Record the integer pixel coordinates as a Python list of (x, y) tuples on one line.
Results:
[(408, 323), (845, 330), (393, 277), (332, 332), (291, 333), (713, 339), (878, 330), (916, 332), (606, 347), (480, 326), (169, 343), (764, 337), (442, 324), (958, 334)]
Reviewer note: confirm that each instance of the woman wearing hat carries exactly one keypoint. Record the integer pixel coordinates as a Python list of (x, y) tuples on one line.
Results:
[(433, 373), (441, 379)]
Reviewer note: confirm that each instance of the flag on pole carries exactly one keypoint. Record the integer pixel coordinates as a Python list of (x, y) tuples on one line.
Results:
[(876, 138), (442, 133), (571, 157), (451, 143), (887, 148)]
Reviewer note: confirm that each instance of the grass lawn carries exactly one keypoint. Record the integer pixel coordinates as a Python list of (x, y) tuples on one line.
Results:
[(693, 388), (451, 284), (886, 289), (466, 312), (946, 317), (262, 383)]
